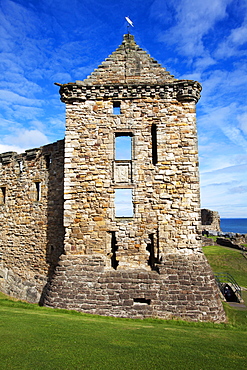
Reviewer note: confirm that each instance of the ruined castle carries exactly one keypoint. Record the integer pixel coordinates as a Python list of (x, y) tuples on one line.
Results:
[(65, 240)]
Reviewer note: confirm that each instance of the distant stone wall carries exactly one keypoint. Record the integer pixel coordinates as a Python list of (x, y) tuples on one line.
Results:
[(210, 220), (31, 219)]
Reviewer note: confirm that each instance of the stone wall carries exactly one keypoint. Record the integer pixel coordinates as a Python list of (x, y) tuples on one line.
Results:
[(183, 288), (150, 263), (158, 113), (210, 220), (146, 264), (165, 195), (31, 213)]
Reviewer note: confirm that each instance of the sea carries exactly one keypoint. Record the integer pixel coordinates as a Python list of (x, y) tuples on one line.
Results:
[(234, 225)]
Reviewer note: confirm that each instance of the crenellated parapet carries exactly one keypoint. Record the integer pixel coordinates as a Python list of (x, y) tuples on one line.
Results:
[(183, 90)]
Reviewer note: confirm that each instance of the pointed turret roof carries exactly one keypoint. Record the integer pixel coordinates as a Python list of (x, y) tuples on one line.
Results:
[(129, 64), (130, 72)]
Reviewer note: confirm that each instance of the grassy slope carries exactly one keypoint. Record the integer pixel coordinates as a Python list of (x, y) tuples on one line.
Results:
[(224, 259), (35, 337)]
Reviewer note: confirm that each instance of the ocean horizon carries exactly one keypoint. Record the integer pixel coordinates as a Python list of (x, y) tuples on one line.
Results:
[(234, 225)]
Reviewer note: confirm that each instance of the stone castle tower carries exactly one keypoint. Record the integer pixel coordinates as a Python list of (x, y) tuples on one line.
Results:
[(131, 214)]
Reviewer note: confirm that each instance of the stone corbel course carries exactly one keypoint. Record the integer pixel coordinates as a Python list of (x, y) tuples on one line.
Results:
[(186, 90)]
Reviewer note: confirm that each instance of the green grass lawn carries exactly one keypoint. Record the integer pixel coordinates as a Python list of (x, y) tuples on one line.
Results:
[(223, 259), (35, 337)]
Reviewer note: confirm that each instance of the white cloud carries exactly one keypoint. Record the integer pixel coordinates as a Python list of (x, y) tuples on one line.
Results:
[(203, 62), (227, 197), (23, 139), (224, 119), (193, 20), (10, 148), (12, 97), (235, 135), (242, 119), (232, 45), (238, 189)]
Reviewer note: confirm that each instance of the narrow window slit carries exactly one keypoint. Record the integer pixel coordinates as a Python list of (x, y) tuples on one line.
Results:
[(153, 249), (3, 195), (150, 249), (21, 166), (154, 144), (114, 248), (38, 195), (47, 161)]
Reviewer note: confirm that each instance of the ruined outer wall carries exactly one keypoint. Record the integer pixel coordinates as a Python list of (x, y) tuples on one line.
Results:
[(210, 220), (31, 213)]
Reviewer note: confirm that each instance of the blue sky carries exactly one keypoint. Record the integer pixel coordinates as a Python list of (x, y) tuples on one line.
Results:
[(47, 41)]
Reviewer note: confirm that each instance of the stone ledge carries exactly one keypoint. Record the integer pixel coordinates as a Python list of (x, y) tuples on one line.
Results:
[(183, 90)]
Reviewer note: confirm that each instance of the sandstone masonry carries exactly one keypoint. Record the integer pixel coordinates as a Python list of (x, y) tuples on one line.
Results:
[(31, 213), (139, 262), (210, 220)]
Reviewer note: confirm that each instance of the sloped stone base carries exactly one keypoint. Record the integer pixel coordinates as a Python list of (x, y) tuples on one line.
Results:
[(28, 289), (183, 288)]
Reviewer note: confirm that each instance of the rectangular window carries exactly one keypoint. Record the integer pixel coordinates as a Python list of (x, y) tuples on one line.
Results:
[(116, 107), (123, 203), (123, 146), (3, 195)]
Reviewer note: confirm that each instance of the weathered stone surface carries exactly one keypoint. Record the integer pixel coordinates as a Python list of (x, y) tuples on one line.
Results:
[(210, 220), (31, 219), (190, 298)]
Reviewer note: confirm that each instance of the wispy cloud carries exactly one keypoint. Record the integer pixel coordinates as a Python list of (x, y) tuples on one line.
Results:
[(238, 189), (23, 139), (232, 46), (193, 20)]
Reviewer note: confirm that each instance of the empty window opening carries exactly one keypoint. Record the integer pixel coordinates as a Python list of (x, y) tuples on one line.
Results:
[(150, 249), (21, 166), (114, 248), (123, 147), (142, 301), (154, 144), (116, 107), (123, 203), (47, 161), (153, 249), (3, 195), (38, 193)]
